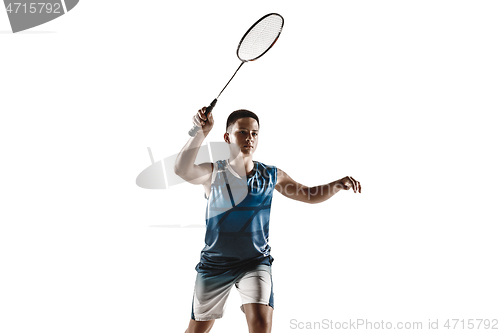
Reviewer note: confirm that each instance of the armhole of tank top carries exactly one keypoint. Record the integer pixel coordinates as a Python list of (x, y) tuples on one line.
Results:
[(274, 175), (214, 172)]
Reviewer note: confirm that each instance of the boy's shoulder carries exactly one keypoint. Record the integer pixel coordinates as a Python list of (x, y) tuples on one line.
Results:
[(264, 166), (222, 165), (266, 170), (260, 164)]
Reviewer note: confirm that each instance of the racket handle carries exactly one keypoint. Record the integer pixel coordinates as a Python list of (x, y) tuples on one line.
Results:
[(195, 128)]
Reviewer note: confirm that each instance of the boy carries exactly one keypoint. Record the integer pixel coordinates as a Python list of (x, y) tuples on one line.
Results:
[(239, 193)]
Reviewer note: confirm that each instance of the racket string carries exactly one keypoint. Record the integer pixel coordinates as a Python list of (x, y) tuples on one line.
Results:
[(260, 38)]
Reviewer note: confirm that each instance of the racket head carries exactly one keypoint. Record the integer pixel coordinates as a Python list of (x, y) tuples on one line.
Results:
[(260, 37)]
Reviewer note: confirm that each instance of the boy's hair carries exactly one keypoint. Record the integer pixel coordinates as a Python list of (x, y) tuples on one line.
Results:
[(238, 114)]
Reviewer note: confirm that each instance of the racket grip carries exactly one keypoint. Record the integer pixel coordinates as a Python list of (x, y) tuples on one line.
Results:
[(195, 128)]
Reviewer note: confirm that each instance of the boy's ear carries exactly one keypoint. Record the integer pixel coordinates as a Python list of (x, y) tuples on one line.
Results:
[(226, 137)]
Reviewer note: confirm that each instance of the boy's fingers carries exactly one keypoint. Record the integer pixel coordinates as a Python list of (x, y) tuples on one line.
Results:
[(354, 187), (196, 121), (357, 185), (201, 115), (200, 119)]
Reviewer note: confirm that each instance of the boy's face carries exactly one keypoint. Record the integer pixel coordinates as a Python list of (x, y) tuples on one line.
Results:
[(244, 134)]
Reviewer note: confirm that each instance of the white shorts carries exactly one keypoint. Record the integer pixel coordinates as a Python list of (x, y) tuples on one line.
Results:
[(211, 291)]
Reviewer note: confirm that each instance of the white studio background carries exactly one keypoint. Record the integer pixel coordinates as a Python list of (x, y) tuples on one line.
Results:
[(401, 95)]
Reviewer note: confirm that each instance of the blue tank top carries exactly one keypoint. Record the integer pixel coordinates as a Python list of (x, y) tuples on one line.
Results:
[(237, 218)]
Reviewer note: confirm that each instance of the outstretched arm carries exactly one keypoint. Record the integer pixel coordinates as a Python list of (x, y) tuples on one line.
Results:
[(293, 190)]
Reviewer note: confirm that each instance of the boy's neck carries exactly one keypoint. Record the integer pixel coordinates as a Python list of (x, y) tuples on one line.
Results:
[(242, 164)]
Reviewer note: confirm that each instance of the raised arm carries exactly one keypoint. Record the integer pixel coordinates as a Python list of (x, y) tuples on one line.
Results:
[(296, 191), (184, 164)]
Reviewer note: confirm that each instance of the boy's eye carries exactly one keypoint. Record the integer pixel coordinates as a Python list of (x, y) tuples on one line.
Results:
[(255, 134)]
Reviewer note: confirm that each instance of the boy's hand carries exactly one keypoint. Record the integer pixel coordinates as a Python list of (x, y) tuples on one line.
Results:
[(205, 122), (347, 183)]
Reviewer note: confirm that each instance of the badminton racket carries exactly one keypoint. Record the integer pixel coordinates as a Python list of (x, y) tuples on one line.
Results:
[(254, 44)]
